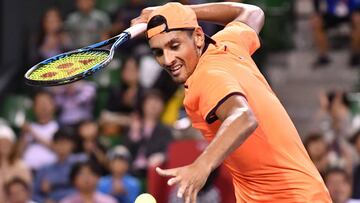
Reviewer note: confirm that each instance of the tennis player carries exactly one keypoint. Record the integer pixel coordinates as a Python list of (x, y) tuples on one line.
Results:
[(229, 100)]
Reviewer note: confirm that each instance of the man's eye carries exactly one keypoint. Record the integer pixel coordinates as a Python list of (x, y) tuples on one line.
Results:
[(175, 46), (158, 53)]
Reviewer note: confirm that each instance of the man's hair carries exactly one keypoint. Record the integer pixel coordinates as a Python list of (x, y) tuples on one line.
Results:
[(15, 181), (42, 92), (331, 95), (64, 134), (150, 94), (313, 137), (159, 20), (94, 168), (337, 170)]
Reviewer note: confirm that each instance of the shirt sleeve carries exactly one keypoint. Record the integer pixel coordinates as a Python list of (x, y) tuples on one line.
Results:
[(240, 34), (219, 86)]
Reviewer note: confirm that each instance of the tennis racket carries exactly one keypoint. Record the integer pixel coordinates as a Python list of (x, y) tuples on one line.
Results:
[(78, 64)]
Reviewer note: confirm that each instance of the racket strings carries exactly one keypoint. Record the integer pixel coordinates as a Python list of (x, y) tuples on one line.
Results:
[(68, 66)]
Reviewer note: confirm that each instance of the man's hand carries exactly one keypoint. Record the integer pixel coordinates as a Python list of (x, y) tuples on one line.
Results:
[(190, 178), (118, 188), (45, 186), (144, 16)]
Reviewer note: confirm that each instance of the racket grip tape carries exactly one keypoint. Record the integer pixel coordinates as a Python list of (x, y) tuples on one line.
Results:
[(136, 29)]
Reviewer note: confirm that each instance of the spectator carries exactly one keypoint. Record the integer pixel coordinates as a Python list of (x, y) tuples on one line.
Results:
[(338, 183), (356, 142), (356, 174), (90, 145), (335, 123), (18, 191), (75, 102), (10, 164), (318, 151), (124, 187), (52, 182), (86, 25), (121, 20), (125, 98), (334, 118), (84, 177), (37, 136), (51, 40), (148, 138), (337, 12)]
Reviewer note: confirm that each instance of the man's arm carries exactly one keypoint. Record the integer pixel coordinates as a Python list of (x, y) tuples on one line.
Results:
[(226, 12), (238, 123), (220, 13)]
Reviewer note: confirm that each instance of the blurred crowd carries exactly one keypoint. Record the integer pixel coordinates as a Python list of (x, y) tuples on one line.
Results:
[(343, 16), (94, 140)]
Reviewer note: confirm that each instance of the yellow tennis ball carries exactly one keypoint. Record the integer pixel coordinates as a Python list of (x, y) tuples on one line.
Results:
[(145, 198)]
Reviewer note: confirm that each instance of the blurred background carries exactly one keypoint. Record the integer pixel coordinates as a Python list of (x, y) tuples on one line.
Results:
[(100, 139)]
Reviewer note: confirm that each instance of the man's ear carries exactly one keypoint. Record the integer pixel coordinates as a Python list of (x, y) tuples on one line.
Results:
[(199, 37)]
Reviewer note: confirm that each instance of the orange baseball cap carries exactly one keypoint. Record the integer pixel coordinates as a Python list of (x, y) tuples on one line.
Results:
[(175, 16)]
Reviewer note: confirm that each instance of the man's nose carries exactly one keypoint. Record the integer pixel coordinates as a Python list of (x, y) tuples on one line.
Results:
[(169, 58)]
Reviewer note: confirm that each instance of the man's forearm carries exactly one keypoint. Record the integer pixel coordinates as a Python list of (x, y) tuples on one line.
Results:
[(232, 133), (226, 12)]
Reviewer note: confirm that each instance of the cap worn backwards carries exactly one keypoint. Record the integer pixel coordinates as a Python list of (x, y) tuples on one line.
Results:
[(175, 16)]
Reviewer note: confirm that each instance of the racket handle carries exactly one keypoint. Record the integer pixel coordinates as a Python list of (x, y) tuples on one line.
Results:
[(136, 29)]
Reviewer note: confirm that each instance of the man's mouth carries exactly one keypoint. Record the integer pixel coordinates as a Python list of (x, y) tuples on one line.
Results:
[(175, 70)]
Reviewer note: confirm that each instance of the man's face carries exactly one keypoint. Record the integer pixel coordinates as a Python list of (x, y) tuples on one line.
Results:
[(177, 52), (339, 187), (44, 107), (63, 147), (18, 194), (86, 180), (85, 6)]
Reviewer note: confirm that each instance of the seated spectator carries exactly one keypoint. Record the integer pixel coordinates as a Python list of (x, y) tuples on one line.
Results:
[(75, 102), (122, 18), (356, 183), (86, 25), (337, 12), (37, 136), (125, 98), (356, 143), (11, 165), (318, 151), (52, 182), (334, 121), (51, 40), (90, 145), (338, 183), (122, 186), (356, 173), (84, 177), (147, 138), (334, 118), (18, 191)]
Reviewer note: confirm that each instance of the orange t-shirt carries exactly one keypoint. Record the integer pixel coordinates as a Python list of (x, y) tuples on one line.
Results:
[(272, 165)]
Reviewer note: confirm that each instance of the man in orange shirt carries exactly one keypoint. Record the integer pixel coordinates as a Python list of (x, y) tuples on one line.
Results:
[(229, 100)]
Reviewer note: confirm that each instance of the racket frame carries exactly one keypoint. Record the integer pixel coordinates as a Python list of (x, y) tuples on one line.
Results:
[(117, 41)]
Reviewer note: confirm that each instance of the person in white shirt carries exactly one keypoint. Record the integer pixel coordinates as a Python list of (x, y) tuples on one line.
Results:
[(37, 136)]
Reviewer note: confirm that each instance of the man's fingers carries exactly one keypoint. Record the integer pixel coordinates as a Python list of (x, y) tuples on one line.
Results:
[(194, 196), (173, 181), (167, 172), (188, 194), (181, 191), (137, 21)]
